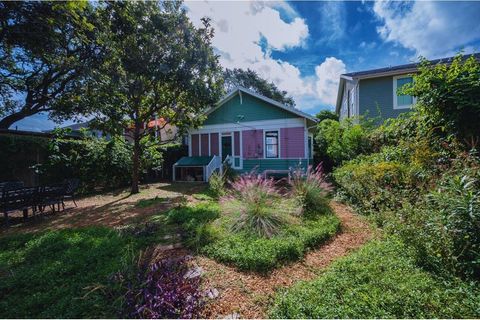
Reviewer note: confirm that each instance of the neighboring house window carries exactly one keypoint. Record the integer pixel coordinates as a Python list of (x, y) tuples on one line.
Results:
[(402, 101), (271, 144)]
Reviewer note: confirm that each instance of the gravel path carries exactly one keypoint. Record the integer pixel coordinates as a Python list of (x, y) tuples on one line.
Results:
[(247, 294)]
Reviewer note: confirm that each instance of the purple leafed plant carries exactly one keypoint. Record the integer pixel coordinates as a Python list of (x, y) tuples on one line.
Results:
[(164, 290)]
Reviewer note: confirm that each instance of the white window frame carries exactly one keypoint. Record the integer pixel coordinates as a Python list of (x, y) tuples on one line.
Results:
[(395, 105), (265, 144)]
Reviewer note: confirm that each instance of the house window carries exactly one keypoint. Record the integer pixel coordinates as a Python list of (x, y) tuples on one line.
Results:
[(271, 144), (402, 101)]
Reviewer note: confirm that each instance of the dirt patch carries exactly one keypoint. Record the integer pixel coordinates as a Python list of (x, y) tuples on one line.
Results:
[(109, 209), (248, 294)]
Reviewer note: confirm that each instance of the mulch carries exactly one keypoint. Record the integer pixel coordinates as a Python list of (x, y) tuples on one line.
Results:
[(248, 294)]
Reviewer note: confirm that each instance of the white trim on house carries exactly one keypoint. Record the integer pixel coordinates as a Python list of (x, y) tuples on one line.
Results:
[(395, 100), (251, 125), (279, 153), (256, 95)]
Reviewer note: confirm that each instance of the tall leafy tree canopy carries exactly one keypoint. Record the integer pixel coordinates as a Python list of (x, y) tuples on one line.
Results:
[(251, 80), (46, 51), (157, 65)]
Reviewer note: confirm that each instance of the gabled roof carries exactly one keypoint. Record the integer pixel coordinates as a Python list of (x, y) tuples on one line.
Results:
[(389, 71), (240, 90)]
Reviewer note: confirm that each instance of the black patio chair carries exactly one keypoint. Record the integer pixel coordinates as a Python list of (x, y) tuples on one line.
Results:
[(50, 196), (10, 185), (71, 186), (18, 199)]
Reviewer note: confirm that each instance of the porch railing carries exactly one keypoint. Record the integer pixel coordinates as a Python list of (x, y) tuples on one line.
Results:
[(215, 163)]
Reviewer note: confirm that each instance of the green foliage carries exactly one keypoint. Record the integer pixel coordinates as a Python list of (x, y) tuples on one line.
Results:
[(253, 253), (257, 206), (444, 224), (344, 140), (97, 162), (217, 183), (310, 190), (447, 94), (64, 273), (45, 70), (249, 79), (326, 114), (145, 203), (159, 65), (378, 281)]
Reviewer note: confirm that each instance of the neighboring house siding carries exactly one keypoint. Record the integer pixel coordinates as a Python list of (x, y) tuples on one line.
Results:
[(195, 145), (204, 144), (292, 142), (252, 141), (214, 144), (251, 109), (376, 98)]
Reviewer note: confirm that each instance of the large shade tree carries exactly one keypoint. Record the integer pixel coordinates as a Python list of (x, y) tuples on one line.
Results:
[(47, 50), (158, 65), (251, 80)]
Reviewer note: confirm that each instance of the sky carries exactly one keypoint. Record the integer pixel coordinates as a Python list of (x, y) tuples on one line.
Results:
[(304, 46)]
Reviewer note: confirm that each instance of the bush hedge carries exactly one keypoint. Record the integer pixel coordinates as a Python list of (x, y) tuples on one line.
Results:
[(378, 281)]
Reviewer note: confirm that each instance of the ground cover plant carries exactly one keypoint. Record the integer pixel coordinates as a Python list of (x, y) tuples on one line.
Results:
[(381, 280), (60, 274), (257, 225)]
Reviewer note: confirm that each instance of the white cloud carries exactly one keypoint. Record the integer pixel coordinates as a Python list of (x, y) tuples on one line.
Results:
[(239, 29), (328, 74), (432, 29), (333, 20)]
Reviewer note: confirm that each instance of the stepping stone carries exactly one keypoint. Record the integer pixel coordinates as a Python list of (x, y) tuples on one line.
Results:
[(170, 246), (232, 316), (212, 293), (194, 273)]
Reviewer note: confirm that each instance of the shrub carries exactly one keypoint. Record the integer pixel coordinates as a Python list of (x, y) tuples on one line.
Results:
[(447, 95), (343, 140), (217, 183), (257, 206), (164, 289), (444, 225), (311, 190), (254, 253), (378, 281)]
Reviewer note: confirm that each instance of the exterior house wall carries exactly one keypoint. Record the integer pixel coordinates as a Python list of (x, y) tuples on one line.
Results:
[(247, 119), (247, 109), (292, 142), (376, 98)]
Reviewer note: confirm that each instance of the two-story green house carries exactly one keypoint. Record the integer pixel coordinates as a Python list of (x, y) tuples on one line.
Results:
[(374, 92)]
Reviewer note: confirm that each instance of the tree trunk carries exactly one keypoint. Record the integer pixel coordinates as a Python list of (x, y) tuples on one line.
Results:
[(136, 159), (7, 122)]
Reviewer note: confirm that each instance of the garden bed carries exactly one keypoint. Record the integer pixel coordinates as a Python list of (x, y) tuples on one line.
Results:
[(207, 230)]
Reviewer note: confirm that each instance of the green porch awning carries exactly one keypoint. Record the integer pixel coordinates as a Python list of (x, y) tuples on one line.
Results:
[(193, 161)]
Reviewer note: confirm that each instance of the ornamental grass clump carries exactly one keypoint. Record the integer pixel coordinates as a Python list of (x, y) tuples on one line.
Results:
[(165, 289), (310, 189), (256, 206)]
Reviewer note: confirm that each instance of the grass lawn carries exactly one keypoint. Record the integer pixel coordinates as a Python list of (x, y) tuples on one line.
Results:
[(378, 281), (57, 272)]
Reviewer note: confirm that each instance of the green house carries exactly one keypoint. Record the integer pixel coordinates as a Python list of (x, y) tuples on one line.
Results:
[(249, 132)]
